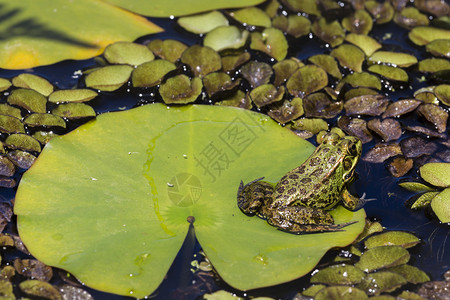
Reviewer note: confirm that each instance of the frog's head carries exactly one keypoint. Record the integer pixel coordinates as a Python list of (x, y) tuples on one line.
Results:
[(352, 149)]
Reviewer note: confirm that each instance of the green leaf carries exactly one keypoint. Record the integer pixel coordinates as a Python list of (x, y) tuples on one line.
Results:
[(383, 257), (441, 205), (437, 174), (424, 200), (109, 201), (415, 187), (51, 31), (399, 238)]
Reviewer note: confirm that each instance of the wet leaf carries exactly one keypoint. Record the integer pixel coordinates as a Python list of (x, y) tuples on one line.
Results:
[(151, 73), (312, 290), (423, 35), (435, 115), (203, 23), (238, 99), (439, 48), (284, 70), (438, 174), (431, 65), (294, 25), (392, 238), (441, 205), (271, 41), (34, 82), (399, 166), (417, 146), (70, 292), (33, 269), (181, 89), (253, 16), (305, 6), (144, 173), (44, 136), (382, 12), (11, 125), (415, 187), (8, 110), (47, 120), (329, 32), (22, 159), (381, 152), (388, 129), (23, 142), (359, 22), (411, 273), (380, 282), (370, 105), (74, 111), (40, 289), (382, 257), (442, 92), (340, 292), (319, 105), (170, 50), (398, 59), (389, 72), (328, 63), (410, 17), (286, 110), (109, 78), (256, 73), (218, 82), (28, 99), (366, 43), (221, 295), (266, 94), (307, 80), (349, 56), (356, 127), (338, 274), (202, 60), (75, 95), (424, 200), (6, 241), (309, 124), (225, 37), (4, 84), (6, 289), (6, 213), (232, 62), (7, 273), (127, 53), (401, 107), (363, 79)]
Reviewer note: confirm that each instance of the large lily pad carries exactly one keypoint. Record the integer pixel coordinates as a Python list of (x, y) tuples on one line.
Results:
[(109, 202)]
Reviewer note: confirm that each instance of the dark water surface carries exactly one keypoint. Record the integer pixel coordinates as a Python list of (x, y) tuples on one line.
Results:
[(389, 208)]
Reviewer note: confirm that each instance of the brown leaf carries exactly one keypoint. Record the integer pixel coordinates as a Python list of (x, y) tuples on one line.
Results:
[(5, 214), (381, 152), (355, 127), (33, 269), (399, 166), (426, 131), (371, 105), (401, 107), (417, 146), (435, 115), (388, 129)]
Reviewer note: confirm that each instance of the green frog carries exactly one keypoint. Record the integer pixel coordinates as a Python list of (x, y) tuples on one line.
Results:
[(298, 202)]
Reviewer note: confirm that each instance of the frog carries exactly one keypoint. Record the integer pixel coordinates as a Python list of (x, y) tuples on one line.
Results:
[(300, 200)]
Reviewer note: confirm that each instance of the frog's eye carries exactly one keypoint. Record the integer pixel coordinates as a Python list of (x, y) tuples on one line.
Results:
[(352, 149)]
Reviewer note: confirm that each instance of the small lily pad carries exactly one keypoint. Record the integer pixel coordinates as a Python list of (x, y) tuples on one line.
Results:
[(312, 290), (389, 72), (170, 50), (252, 16), (151, 73), (401, 60), (319, 105), (44, 136), (305, 6), (417, 146), (424, 200), (359, 22), (232, 62), (431, 65), (294, 25), (381, 152), (203, 23), (438, 174), (370, 105), (383, 12), (23, 142), (328, 63), (181, 89), (256, 73), (286, 110), (422, 35), (410, 17), (75, 95), (388, 129), (28, 99), (401, 107), (340, 292), (435, 115), (329, 32), (74, 111), (127, 53), (271, 41), (238, 99), (366, 43), (380, 282), (11, 125), (349, 56), (8, 110), (392, 238), (439, 48), (4, 84), (47, 120), (225, 37), (218, 82), (34, 82), (411, 274), (266, 94), (441, 205), (109, 78), (382, 257), (399, 166), (284, 70), (310, 124), (307, 80), (202, 60), (338, 274), (356, 127), (22, 159), (363, 79)]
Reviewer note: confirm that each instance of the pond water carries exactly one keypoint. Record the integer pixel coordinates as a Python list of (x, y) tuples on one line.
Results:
[(389, 207)]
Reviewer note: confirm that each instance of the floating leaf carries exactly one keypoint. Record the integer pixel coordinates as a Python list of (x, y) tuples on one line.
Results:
[(34, 82), (225, 37), (385, 281), (319, 105), (328, 63), (401, 107), (170, 50), (389, 72), (11, 125), (232, 62), (435, 115), (266, 94), (284, 70), (307, 80), (74, 111), (218, 82), (349, 56), (388, 129), (382, 257), (442, 92), (271, 41), (33, 269), (312, 125), (6, 167), (305, 6), (424, 200), (363, 79), (400, 165), (47, 31), (151, 73), (329, 32), (23, 142), (75, 95), (71, 292), (441, 205), (4, 84), (28, 99), (389, 238), (146, 199), (40, 289), (128, 53), (411, 273), (340, 292), (437, 8), (366, 43), (44, 136), (238, 99), (382, 12), (22, 159), (439, 48), (256, 73), (359, 22), (338, 274), (371, 105), (356, 127), (423, 35), (437, 174), (432, 65), (47, 120), (109, 78), (181, 89), (286, 110), (417, 146), (253, 16), (415, 187), (203, 23), (294, 25), (410, 17), (381, 152), (401, 60), (202, 60), (8, 110), (312, 290)]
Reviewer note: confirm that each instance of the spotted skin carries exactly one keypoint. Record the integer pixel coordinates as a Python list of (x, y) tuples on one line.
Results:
[(299, 201)]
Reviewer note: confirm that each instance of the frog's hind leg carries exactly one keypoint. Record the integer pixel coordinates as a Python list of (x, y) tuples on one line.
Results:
[(252, 196), (302, 219)]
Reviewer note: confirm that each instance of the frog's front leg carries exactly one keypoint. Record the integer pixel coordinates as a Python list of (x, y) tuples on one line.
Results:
[(353, 203), (253, 196), (301, 219)]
